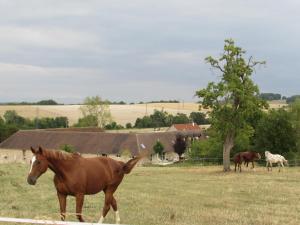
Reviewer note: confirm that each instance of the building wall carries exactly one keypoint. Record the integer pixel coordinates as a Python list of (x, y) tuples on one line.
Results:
[(24, 156), (20, 156), (15, 156)]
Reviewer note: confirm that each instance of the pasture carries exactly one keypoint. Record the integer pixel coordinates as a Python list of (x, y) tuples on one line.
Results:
[(171, 196)]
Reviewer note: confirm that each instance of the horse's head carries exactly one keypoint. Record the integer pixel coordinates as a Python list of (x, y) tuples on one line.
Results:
[(257, 155), (267, 153), (38, 165)]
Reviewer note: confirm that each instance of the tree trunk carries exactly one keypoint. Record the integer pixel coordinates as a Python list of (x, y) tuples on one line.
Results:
[(227, 146)]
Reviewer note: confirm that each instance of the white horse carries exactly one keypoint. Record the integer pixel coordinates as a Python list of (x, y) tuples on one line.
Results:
[(279, 159)]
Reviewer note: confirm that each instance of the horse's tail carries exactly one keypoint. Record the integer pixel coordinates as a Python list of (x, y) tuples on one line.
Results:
[(132, 162)]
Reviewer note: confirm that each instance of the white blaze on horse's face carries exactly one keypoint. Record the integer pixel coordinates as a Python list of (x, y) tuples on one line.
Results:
[(32, 161)]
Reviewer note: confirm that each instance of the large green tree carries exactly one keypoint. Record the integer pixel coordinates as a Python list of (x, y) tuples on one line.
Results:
[(97, 111), (199, 118), (295, 116), (234, 98), (274, 132)]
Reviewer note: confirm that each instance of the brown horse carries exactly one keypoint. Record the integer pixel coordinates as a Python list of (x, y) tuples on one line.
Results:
[(78, 176), (245, 157)]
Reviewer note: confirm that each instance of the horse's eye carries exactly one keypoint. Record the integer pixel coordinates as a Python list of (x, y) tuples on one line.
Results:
[(38, 162)]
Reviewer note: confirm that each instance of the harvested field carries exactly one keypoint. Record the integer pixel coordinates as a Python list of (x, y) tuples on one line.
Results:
[(122, 114)]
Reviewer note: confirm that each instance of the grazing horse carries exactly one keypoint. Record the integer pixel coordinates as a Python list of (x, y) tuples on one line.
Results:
[(245, 157), (275, 158), (78, 176)]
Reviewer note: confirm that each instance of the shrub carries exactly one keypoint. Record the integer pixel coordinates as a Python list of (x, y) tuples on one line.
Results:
[(158, 148), (67, 148)]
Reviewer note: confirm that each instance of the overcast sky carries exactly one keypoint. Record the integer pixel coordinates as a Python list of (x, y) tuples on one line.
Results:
[(140, 50)]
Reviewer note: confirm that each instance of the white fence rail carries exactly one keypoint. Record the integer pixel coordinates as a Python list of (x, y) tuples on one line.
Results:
[(52, 222)]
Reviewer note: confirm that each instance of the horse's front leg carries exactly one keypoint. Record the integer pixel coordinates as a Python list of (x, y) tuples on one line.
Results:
[(79, 204), (62, 204), (280, 165)]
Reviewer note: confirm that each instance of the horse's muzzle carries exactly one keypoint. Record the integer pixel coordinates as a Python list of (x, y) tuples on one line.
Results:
[(31, 180)]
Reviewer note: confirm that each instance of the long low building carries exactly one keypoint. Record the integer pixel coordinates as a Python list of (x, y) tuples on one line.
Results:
[(90, 142)]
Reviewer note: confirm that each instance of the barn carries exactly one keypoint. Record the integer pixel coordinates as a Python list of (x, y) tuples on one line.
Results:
[(88, 142)]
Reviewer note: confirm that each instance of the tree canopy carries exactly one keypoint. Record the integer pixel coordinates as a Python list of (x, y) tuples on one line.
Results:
[(95, 112), (234, 98)]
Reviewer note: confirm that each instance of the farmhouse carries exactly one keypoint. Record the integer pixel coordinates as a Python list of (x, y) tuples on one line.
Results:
[(192, 130), (185, 127), (87, 142)]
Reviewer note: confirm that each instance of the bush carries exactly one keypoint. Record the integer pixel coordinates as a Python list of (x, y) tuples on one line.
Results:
[(158, 148), (199, 118), (210, 148), (113, 126), (180, 145), (67, 148)]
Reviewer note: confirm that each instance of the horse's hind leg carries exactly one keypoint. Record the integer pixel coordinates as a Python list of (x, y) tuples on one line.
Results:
[(110, 201), (62, 204), (115, 208), (79, 204)]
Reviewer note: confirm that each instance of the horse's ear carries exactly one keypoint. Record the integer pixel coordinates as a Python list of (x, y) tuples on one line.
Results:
[(40, 150), (33, 150)]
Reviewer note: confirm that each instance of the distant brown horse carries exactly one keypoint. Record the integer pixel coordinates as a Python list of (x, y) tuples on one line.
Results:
[(245, 157), (78, 176)]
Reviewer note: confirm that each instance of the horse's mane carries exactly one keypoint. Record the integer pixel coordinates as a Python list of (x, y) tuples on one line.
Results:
[(56, 154)]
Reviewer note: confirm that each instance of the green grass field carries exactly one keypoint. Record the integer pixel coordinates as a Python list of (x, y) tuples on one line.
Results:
[(170, 196)]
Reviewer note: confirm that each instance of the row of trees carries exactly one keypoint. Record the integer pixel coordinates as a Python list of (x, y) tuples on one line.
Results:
[(96, 113), (270, 96), (277, 131), (42, 102), (12, 122), (163, 119)]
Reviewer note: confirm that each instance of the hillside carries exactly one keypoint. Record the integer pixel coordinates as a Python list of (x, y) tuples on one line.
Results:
[(122, 114)]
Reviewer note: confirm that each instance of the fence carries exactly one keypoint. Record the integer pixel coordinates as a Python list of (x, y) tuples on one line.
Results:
[(52, 222), (219, 161)]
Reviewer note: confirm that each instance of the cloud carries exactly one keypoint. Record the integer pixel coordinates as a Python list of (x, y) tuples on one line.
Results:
[(18, 37), (174, 57), (137, 50)]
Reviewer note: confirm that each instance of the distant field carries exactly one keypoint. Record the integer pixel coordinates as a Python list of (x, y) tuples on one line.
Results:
[(122, 114), (168, 196)]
